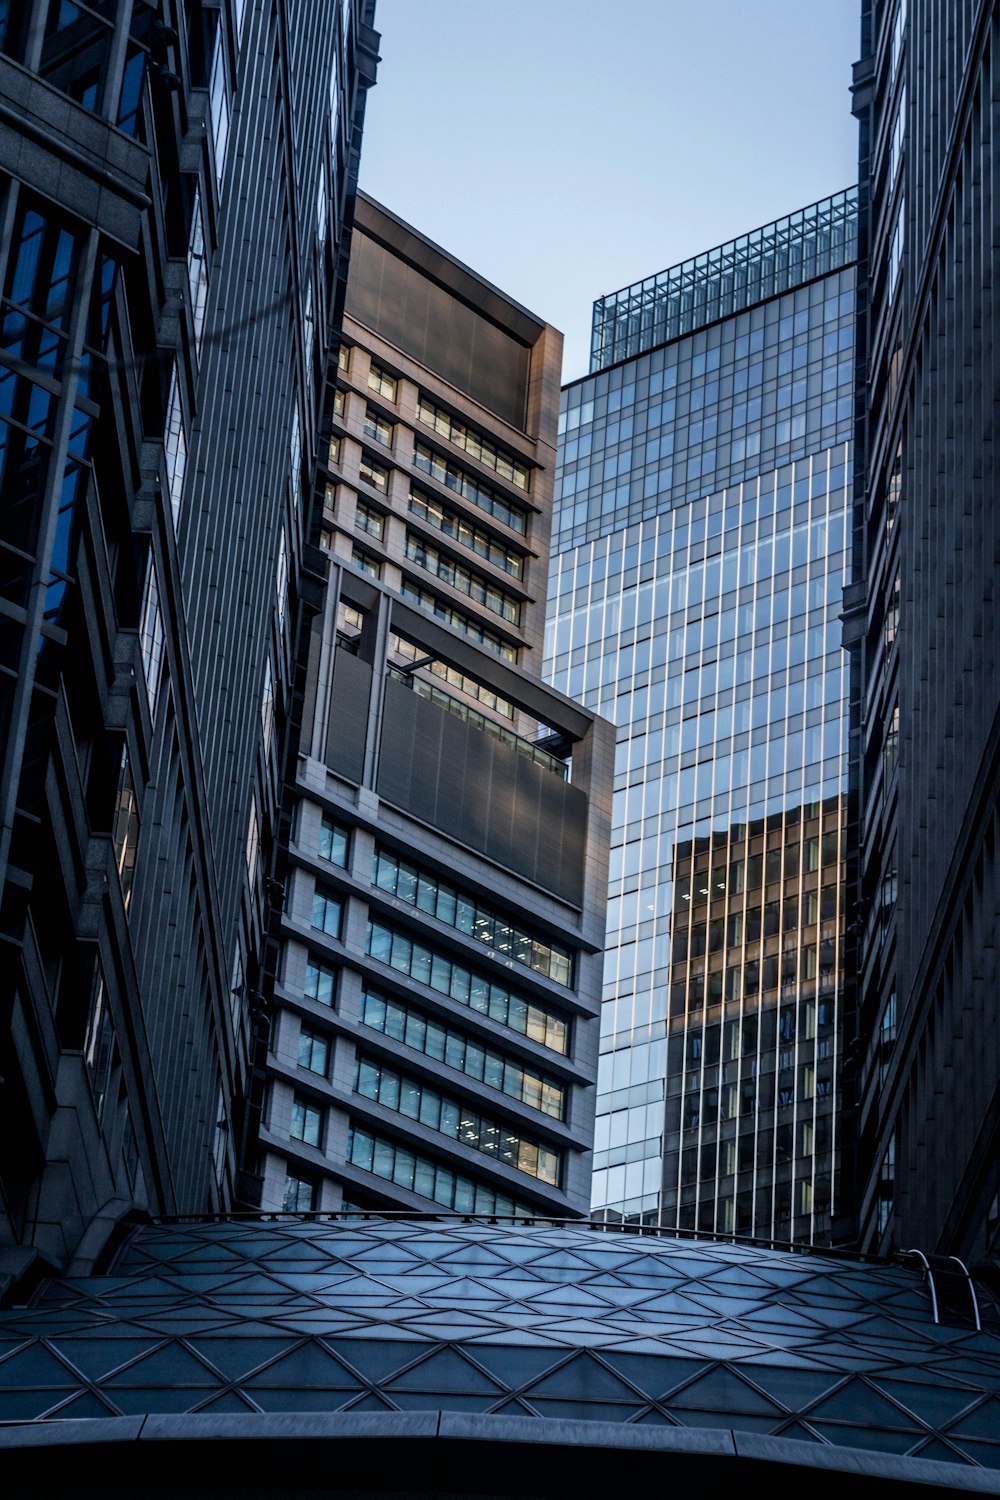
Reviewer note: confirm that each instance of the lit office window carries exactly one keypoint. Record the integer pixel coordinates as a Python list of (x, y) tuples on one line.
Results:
[(466, 533), (381, 382), (431, 1179), (475, 587), (474, 490), (434, 968), (374, 473), (425, 890), (378, 428), (454, 1119), (426, 1034), (474, 443), (369, 520)]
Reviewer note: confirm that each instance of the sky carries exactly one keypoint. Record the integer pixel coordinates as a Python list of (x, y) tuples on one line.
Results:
[(565, 148)]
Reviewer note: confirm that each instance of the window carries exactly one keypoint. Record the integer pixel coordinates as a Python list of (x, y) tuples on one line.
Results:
[(334, 842), (510, 939), (381, 382), (477, 538), (175, 446), (322, 209), (344, 358), (457, 617), (378, 428), (365, 564), (475, 587), (99, 1044), (314, 1051), (307, 1122), (300, 1195), (319, 982), (197, 266), (499, 459), (126, 828), (895, 252), (295, 457), (424, 1033), (333, 454), (473, 490), (309, 326), (898, 137), (339, 402), (393, 1162), (151, 636), (267, 709), (374, 473), (219, 106), (281, 578), (434, 969), (369, 520), (326, 912), (435, 1111), (253, 841)]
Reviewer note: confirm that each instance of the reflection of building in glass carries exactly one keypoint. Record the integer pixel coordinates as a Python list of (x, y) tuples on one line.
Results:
[(754, 972), (699, 555)]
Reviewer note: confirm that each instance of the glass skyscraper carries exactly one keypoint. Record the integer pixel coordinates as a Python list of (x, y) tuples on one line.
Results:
[(695, 593)]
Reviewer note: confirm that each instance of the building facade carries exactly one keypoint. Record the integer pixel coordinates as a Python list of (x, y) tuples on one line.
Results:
[(434, 1027), (176, 194), (698, 565), (921, 620)]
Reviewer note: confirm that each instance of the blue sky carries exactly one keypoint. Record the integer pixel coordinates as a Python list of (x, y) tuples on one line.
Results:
[(564, 148)]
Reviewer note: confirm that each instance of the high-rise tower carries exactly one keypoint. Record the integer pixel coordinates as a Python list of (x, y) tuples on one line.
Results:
[(922, 622), (176, 193), (698, 568), (435, 1025)]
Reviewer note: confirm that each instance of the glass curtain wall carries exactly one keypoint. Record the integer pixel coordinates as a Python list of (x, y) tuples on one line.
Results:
[(695, 599)]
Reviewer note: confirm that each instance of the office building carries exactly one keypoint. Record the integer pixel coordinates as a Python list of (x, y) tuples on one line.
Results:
[(434, 1027), (176, 192), (922, 622), (696, 587)]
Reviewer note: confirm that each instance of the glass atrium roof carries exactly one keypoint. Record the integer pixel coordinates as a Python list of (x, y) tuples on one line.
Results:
[(767, 261), (372, 1315)]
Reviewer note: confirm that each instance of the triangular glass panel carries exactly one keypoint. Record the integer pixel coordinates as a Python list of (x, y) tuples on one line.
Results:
[(314, 1398), (144, 1401), (370, 1402), (797, 1432), (308, 1367), (377, 1359), (229, 1401), (859, 1402), (872, 1439), (986, 1454), (34, 1365), (170, 1365), (984, 1422), (940, 1452), (583, 1410), (794, 1387), (585, 1379), (438, 1401), (95, 1358), (85, 1405), (937, 1405), (722, 1390), (446, 1370)]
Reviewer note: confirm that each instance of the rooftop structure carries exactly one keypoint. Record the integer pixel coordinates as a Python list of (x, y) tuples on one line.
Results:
[(718, 283)]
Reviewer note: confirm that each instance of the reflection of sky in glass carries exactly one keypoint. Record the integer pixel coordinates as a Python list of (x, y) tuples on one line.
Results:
[(695, 595)]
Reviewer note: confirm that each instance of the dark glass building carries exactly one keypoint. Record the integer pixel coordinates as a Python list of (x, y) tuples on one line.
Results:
[(699, 559), (176, 185), (922, 623), (434, 1034)]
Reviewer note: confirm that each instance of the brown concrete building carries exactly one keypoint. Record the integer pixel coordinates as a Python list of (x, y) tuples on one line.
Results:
[(434, 1035)]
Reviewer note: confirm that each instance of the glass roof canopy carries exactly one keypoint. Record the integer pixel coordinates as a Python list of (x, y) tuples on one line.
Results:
[(767, 261), (837, 1366)]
